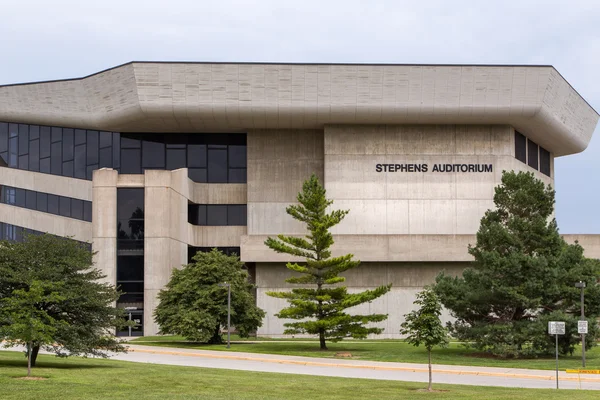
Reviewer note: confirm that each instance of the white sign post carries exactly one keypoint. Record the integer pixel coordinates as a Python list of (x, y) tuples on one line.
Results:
[(557, 328), (582, 327)]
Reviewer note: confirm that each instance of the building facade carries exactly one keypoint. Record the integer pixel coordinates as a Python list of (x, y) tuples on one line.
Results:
[(151, 162)]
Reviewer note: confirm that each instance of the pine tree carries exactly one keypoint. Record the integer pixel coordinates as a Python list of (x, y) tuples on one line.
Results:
[(423, 326), (318, 307), (523, 273)]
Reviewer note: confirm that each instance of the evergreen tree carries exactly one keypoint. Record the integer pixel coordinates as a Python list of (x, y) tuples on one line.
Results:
[(523, 272), (193, 304), (423, 325), (318, 307), (82, 308)]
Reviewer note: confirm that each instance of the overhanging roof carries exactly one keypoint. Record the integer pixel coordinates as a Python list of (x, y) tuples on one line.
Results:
[(200, 97)]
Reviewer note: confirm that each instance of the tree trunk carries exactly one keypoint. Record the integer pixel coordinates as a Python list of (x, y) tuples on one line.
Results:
[(429, 354), (320, 317), (216, 339), (322, 339), (34, 354), (29, 351)]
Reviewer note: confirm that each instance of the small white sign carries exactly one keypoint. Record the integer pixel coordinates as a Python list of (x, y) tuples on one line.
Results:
[(556, 328), (582, 327)]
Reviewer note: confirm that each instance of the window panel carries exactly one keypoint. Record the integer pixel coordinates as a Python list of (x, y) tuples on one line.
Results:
[(130, 229), (153, 155), (64, 206), (53, 204), (13, 130), (42, 202), (67, 169), (34, 155), (67, 145), (45, 165), (56, 134), (237, 175), (45, 141), (105, 139), (79, 167), (4, 159), (3, 137), (197, 214), (532, 154), (77, 208), (80, 136), (520, 147), (31, 199), (197, 175), (89, 173), (131, 162), (34, 132), (196, 156), (56, 158), (217, 166), (237, 156), (175, 159), (545, 162), (130, 204), (236, 214), (105, 158), (129, 143), (23, 139), (20, 197), (216, 215), (116, 149), (131, 287), (87, 211), (13, 156), (130, 268), (24, 162), (92, 147)]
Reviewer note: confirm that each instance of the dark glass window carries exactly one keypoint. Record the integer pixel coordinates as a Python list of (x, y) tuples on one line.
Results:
[(34, 155), (20, 197), (31, 199), (23, 139), (4, 159), (217, 166), (45, 165), (130, 268), (64, 206), (13, 156), (520, 147), (34, 132), (67, 144), (237, 156), (79, 164), (116, 149), (44, 142), (3, 137), (105, 158), (77, 208), (236, 215), (197, 175), (79, 136), (130, 229), (153, 155), (90, 171), (42, 202), (67, 169), (196, 157), (13, 130), (92, 147), (130, 143), (545, 161), (56, 159), (197, 214), (87, 211), (24, 162), (130, 204), (131, 162), (56, 134), (216, 215), (175, 159), (53, 204), (237, 175), (105, 139), (532, 154)]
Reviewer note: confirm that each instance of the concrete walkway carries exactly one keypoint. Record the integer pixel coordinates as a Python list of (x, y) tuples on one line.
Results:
[(453, 374)]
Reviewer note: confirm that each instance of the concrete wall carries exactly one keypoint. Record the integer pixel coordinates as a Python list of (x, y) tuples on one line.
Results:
[(407, 280)]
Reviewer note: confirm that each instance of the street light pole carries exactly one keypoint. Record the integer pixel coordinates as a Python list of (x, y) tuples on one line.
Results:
[(228, 312), (581, 285)]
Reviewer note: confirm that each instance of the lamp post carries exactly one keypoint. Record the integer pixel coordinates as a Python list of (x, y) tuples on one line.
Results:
[(228, 312), (581, 285)]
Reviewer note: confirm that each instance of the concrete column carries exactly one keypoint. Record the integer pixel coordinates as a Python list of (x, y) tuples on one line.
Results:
[(104, 225), (165, 238)]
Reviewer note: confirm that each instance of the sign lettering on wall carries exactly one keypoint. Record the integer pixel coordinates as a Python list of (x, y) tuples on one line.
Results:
[(435, 168)]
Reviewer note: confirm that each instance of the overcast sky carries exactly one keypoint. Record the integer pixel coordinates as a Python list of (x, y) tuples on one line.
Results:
[(58, 39)]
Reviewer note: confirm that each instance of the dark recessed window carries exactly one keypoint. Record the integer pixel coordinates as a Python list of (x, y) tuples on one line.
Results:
[(87, 211), (197, 175), (13, 155), (236, 214), (56, 159), (79, 167), (23, 139), (34, 132), (34, 155), (105, 158), (545, 161), (80, 136), (3, 137), (105, 139), (130, 143), (520, 147), (64, 206), (89, 172), (45, 165), (45, 141), (532, 154), (67, 169), (67, 144), (31, 199), (77, 208), (56, 134), (24, 162), (196, 157), (216, 215), (131, 161), (13, 130), (130, 268), (217, 166), (153, 155), (20, 197), (237, 175), (92, 147), (53, 204), (175, 159), (42, 202), (130, 204)]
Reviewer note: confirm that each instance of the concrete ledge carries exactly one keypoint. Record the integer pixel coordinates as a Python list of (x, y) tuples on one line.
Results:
[(215, 236), (46, 183)]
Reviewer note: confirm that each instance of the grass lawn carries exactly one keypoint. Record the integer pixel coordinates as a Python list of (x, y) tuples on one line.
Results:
[(384, 350), (77, 378)]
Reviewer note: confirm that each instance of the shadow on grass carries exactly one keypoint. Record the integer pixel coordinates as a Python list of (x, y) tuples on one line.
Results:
[(53, 365)]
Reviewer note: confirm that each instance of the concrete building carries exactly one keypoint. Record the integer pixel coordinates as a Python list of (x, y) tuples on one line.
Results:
[(151, 162)]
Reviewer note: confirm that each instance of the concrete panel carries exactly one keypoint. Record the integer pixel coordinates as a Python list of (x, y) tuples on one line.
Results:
[(366, 217), (47, 223), (105, 258), (590, 243), (130, 181), (46, 183), (272, 219), (215, 236), (431, 217)]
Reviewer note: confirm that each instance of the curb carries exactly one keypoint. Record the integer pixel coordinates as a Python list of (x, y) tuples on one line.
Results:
[(358, 366)]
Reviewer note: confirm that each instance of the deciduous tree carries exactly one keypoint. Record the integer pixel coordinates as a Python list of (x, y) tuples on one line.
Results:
[(318, 307)]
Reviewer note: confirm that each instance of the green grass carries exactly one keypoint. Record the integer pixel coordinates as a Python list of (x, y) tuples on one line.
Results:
[(77, 378), (385, 350)]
